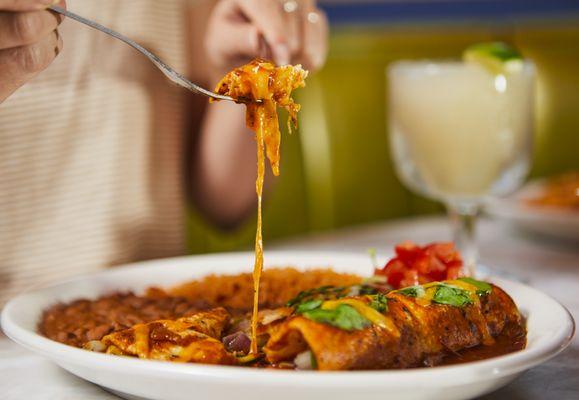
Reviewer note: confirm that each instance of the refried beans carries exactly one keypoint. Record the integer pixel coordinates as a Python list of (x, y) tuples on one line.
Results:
[(83, 320)]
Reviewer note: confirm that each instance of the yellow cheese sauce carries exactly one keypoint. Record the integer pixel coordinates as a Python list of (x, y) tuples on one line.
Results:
[(142, 340), (417, 304), (264, 87), (366, 311), (425, 298)]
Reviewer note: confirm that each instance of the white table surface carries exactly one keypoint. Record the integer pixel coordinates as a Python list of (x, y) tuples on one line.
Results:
[(546, 265)]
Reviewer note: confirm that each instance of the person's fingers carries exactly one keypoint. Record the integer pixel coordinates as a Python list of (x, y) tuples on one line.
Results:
[(269, 20), (233, 41), (24, 28), (26, 5), (59, 43), (30, 59), (264, 50), (293, 23), (285, 31), (20, 64), (315, 42)]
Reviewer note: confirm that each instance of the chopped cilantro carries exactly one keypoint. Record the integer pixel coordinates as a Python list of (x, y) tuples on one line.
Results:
[(379, 302), (451, 295), (310, 294), (483, 288), (366, 289), (308, 306), (343, 316), (313, 360), (330, 293), (412, 291)]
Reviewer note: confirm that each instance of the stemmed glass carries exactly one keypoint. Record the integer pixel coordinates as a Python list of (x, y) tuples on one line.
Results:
[(460, 133)]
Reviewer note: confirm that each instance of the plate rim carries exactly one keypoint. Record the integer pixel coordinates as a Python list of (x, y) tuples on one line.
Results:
[(495, 367)]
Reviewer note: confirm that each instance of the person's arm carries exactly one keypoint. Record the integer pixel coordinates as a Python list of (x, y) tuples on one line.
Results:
[(225, 165), (224, 154), (29, 41)]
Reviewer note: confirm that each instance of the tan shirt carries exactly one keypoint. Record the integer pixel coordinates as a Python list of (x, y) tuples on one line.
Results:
[(91, 151)]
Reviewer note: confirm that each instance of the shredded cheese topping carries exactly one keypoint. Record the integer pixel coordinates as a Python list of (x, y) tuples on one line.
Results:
[(366, 311)]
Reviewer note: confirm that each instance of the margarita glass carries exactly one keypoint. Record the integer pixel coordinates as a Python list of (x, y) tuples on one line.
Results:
[(461, 131)]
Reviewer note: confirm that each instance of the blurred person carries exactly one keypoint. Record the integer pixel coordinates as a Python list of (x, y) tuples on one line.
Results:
[(98, 149)]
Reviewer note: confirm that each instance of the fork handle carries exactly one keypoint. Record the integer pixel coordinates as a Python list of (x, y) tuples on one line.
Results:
[(168, 71)]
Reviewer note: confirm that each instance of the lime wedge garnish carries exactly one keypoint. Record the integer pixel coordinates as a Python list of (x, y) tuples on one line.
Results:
[(496, 57)]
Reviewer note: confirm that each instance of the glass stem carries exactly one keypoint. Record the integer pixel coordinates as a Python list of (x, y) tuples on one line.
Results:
[(464, 233)]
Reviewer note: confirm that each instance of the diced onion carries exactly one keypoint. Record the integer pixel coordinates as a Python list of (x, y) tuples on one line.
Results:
[(269, 316), (303, 360), (237, 342), (95, 345)]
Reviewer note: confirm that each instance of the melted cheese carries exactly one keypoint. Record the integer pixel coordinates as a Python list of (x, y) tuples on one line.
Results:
[(264, 87), (416, 305), (366, 311), (142, 340), (463, 285), (481, 324), (261, 116), (425, 299), (185, 354)]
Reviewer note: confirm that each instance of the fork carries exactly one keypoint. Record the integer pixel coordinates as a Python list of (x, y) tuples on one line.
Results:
[(173, 75)]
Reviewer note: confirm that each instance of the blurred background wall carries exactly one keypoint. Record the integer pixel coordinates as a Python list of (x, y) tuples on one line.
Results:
[(336, 171)]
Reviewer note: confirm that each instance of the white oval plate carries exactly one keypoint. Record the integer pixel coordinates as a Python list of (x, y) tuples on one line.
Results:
[(556, 223), (550, 328)]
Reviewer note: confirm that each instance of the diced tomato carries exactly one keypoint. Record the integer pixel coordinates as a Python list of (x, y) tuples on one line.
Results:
[(454, 272), (444, 251), (408, 252), (415, 265), (422, 264), (394, 271), (410, 278)]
